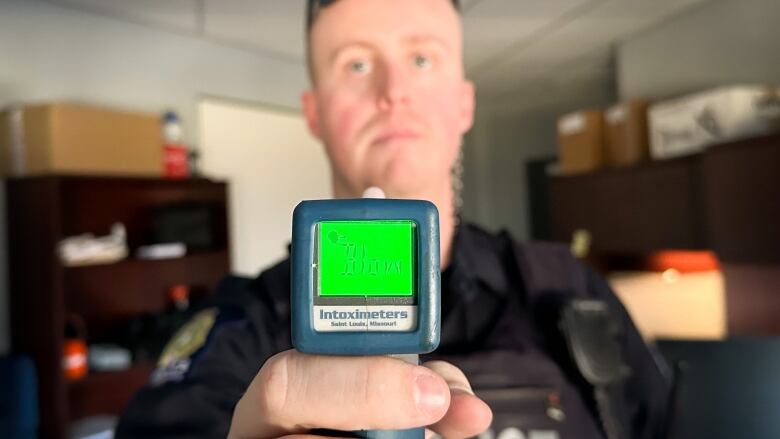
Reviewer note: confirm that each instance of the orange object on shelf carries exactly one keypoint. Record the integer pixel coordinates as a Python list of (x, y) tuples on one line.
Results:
[(178, 292), (74, 358), (179, 296), (684, 261)]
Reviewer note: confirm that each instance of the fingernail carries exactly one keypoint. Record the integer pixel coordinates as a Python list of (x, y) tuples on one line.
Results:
[(429, 393), (460, 388)]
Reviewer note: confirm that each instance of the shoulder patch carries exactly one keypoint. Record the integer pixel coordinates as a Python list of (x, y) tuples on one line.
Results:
[(188, 339)]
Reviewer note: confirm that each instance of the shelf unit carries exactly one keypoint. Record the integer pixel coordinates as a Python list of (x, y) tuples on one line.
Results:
[(89, 397), (726, 199), (44, 210), (631, 210), (140, 290)]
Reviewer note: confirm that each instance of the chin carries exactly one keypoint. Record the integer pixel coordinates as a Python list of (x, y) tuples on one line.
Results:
[(406, 176), (404, 184), (401, 192)]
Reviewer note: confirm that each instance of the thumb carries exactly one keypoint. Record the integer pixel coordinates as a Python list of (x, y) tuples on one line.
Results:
[(295, 392)]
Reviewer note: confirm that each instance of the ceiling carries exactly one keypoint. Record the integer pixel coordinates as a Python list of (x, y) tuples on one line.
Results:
[(508, 42)]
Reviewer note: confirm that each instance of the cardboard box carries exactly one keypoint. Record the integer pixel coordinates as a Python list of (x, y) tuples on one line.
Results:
[(690, 124), (79, 139), (581, 141), (626, 138)]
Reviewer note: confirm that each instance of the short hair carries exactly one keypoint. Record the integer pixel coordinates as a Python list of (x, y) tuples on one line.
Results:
[(313, 8)]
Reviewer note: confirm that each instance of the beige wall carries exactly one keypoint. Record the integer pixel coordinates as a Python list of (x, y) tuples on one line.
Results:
[(242, 143)]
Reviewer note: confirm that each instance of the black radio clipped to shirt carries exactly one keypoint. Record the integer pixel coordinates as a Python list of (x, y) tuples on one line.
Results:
[(592, 335)]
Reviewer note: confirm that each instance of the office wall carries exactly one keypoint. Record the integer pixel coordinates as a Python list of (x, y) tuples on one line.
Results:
[(510, 132), (48, 52), (720, 42)]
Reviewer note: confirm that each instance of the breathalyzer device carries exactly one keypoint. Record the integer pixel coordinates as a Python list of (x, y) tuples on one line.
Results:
[(366, 281)]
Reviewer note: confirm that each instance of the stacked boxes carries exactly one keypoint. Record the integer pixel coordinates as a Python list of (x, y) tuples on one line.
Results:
[(626, 139), (635, 131), (79, 139), (581, 141), (592, 139)]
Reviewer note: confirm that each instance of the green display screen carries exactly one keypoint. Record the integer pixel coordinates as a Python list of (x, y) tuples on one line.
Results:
[(366, 258)]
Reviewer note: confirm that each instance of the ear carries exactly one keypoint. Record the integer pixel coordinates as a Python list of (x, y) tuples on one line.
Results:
[(468, 103), (310, 112)]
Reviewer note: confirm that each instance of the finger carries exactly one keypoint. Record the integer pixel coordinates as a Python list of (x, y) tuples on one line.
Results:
[(467, 415), (295, 392)]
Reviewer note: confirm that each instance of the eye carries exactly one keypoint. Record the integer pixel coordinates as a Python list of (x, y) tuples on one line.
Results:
[(422, 62), (360, 67)]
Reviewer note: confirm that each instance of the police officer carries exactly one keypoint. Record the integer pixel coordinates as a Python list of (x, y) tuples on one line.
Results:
[(390, 104)]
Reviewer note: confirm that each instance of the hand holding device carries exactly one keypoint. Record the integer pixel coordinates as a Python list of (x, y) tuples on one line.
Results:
[(365, 282)]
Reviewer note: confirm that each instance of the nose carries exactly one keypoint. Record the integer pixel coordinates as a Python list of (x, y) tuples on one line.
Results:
[(393, 87)]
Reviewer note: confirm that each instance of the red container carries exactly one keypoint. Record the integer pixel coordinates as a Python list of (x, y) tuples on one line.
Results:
[(74, 359), (176, 161)]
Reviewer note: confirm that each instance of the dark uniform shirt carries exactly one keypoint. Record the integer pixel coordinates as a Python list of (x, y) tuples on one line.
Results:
[(489, 329)]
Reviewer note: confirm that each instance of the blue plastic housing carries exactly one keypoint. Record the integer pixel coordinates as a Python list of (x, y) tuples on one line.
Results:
[(422, 340)]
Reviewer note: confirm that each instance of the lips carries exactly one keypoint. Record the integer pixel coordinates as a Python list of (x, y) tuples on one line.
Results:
[(395, 135)]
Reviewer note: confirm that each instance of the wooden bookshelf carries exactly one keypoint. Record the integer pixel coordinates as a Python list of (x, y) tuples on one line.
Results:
[(44, 210)]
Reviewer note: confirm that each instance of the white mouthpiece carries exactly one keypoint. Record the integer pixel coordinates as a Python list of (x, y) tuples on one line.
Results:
[(373, 192)]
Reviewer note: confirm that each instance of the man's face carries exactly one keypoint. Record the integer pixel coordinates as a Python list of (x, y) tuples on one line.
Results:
[(389, 100)]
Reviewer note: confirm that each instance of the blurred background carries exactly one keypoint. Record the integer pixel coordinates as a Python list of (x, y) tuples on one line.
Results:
[(150, 147)]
